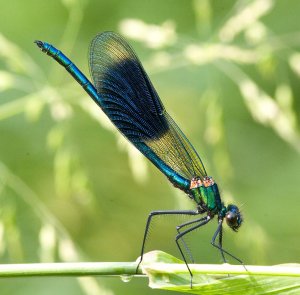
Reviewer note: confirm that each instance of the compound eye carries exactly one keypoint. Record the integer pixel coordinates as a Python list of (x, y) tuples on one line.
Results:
[(232, 220)]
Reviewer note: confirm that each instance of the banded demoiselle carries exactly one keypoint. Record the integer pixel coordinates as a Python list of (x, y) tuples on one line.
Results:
[(124, 92)]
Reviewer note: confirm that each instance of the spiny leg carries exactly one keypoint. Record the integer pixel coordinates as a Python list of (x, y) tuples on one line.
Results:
[(204, 220), (219, 247), (179, 227), (157, 213), (221, 244)]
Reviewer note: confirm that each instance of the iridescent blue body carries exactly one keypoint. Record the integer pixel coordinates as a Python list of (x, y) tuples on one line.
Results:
[(124, 92)]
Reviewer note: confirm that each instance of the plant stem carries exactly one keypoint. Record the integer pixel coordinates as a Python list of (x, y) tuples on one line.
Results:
[(129, 268), (68, 269), (257, 270)]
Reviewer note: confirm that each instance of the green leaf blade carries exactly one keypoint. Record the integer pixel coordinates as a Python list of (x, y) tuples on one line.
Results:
[(164, 272)]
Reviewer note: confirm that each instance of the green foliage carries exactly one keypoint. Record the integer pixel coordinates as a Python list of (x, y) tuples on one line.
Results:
[(169, 273), (164, 272)]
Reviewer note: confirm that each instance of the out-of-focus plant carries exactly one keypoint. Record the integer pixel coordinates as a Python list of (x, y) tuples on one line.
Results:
[(241, 44)]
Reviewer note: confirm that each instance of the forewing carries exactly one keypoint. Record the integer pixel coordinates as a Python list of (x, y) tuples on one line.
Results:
[(130, 101)]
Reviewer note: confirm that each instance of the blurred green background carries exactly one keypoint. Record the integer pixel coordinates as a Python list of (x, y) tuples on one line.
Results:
[(71, 189)]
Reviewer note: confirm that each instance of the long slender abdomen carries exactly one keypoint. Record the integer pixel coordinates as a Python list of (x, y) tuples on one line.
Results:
[(71, 68)]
